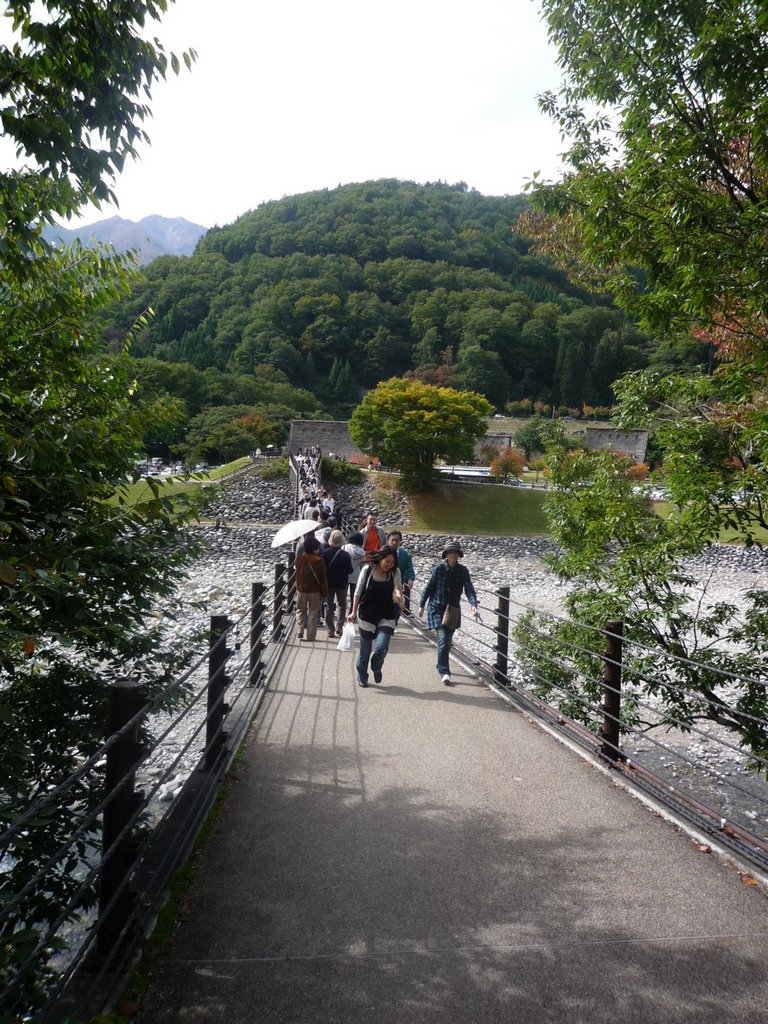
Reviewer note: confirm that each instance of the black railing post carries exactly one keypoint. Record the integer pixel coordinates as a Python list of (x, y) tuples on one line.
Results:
[(290, 602), (279, 599), (256, 641), (218, 681), (501, 674), (611, 706), (118, 849)]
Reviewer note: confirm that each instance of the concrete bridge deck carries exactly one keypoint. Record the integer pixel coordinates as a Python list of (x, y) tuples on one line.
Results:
[(414, 853)]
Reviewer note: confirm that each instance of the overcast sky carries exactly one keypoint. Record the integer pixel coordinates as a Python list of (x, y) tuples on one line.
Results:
[(297, 95)]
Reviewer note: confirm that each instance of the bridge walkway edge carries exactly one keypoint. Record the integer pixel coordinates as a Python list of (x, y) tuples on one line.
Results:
[(417, 853)]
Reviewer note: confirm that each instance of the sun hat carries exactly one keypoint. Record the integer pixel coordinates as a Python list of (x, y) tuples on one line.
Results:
[(452, 546)]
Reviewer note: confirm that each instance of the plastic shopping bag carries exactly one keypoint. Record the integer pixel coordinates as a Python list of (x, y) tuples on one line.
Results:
[(347, 641)]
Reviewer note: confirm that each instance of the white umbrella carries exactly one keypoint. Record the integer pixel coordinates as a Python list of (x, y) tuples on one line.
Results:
[(292, 531)]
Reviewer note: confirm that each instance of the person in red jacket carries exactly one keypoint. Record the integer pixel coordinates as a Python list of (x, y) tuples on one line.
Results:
[(374, 537)]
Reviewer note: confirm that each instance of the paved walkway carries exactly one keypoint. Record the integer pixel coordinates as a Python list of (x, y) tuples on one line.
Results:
[(413, 853)]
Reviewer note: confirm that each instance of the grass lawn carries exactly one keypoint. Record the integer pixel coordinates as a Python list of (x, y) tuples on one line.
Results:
[(172, 485), (479, 509)]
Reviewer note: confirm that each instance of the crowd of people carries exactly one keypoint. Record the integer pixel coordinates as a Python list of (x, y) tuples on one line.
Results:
[(371, 572)]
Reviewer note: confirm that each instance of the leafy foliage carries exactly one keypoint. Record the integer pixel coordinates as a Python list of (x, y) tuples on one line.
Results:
[(626, 563), (409, 425), (74, 84), (531, 437), (680, 193), (275, 469), (337, 472), (204, 398), (508, 462), (664, 205), (226, 432), (342, 289), (79, 576)]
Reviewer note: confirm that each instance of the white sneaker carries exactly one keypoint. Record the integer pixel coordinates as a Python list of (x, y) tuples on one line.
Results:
[(446, 679)]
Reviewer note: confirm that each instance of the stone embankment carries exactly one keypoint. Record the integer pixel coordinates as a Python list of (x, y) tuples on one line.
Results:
[(249, 499)]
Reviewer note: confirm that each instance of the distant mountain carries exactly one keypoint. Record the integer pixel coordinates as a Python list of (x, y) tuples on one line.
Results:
[(152, 236)]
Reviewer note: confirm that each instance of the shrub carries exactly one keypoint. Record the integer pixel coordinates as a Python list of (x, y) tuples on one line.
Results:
[(521, 407), (275, 469), (338, 472)]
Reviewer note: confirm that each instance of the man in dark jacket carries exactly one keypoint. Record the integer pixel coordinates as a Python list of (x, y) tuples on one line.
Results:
[(338, 568)]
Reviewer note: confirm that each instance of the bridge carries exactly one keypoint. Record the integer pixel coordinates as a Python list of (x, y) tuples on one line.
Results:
[(411, 852), (407, 852)]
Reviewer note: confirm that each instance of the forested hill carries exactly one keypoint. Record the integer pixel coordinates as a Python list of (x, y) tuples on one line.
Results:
[(341, 288)]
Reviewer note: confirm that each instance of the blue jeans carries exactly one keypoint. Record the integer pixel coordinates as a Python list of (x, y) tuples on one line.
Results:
[(379, 653), (444, 642)]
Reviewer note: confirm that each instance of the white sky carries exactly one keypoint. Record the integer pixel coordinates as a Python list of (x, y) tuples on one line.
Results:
[(296, 95)]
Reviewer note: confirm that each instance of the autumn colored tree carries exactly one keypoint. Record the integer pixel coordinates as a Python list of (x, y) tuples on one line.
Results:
[(508, 462)]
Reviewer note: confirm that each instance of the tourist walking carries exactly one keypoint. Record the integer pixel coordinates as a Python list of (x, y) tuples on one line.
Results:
[(338, 566), (443, 591), (311, 588), (378, 590), (374, 537), (356, 552), (405, 565)]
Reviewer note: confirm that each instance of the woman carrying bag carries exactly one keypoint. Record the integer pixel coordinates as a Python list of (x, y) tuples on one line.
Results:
[(443, 591), (311, 587), (378, 589)]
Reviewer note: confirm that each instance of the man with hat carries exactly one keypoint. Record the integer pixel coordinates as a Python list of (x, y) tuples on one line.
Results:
[(443, 591)]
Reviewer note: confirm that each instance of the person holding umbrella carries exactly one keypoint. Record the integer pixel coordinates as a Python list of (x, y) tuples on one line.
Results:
[(311, 587), (309, 568)]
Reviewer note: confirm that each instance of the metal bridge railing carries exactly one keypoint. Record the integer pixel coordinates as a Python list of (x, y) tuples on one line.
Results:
[(126, 843), (670, 771)]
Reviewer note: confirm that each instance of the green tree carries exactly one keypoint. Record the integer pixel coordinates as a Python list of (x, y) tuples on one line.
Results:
[(532, 436), (681, 192), (409, 425), (226, 432), (74, 83), (626, 563), (674, 226), (312, 276), (481, 371), (79, 574)]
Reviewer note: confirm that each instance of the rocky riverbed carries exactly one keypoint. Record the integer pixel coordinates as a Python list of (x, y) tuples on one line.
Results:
[(236, 555)]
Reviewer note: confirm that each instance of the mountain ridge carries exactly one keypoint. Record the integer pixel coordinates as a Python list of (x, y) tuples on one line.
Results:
[(152, 236)]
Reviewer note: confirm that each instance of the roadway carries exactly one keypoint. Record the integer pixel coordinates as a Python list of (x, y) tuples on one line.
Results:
[(416, 853)]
